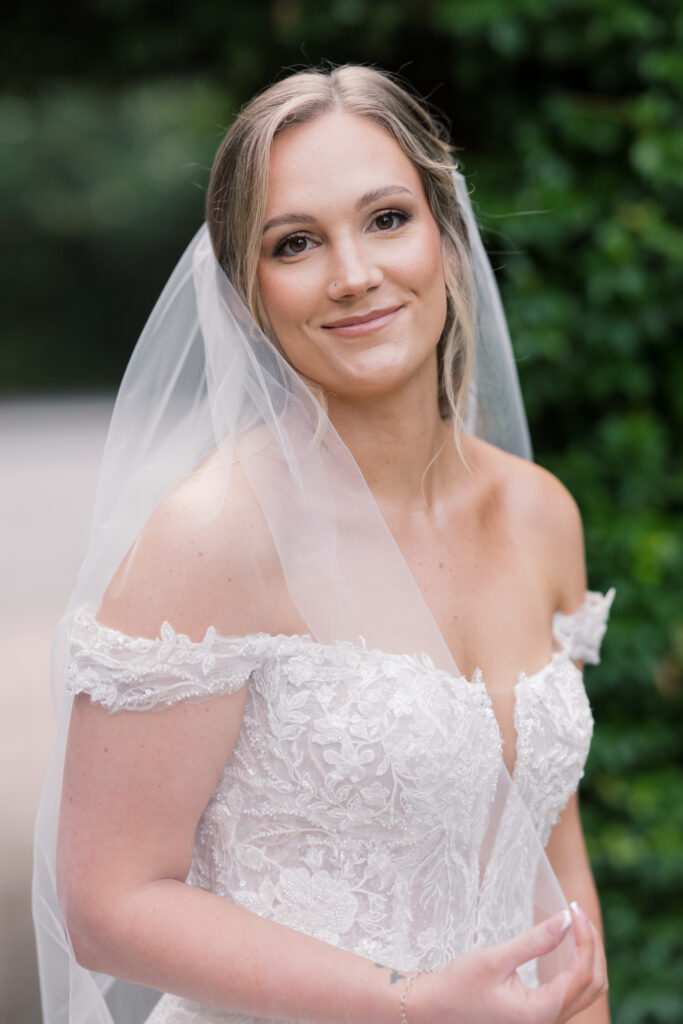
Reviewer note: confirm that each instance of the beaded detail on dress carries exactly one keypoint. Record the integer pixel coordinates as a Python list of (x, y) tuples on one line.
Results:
[(356, 799), (124, 673), (582, 631)]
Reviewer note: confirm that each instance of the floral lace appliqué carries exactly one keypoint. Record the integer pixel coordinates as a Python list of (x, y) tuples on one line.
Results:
[(357, 797)]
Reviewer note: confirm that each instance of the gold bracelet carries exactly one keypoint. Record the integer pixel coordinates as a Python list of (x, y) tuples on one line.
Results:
[(404, 997)]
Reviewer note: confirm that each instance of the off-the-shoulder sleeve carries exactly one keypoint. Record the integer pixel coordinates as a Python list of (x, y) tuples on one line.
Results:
[(124, 673), (580, 633)]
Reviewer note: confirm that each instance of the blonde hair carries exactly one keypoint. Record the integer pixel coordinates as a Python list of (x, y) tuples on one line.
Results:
[(236, 200)]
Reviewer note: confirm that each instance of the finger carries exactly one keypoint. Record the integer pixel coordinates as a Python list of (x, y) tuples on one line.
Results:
[(579, 989), (598, 982), (604, 977), (599, 962), (565, 994), (541, 939)]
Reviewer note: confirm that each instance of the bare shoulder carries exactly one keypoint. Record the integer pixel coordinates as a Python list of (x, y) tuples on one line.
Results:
[(542, 513), (204, 558)]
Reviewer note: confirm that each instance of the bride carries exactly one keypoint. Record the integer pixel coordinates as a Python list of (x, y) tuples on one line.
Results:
[(323, 718)]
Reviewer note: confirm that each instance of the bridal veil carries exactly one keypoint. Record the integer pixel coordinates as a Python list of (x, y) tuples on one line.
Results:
[(206, 397)]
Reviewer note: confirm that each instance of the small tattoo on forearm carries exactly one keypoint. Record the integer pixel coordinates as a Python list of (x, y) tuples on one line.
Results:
[(394, 976)]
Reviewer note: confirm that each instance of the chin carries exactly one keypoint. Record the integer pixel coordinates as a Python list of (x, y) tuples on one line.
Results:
[(374, 369), (379, 380)]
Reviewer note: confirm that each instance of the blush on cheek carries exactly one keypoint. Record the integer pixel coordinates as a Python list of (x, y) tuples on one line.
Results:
[(427, 258), (285, 307)]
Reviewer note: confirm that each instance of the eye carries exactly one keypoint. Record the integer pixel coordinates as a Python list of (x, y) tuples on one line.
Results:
[(293, 245), (389, 220)]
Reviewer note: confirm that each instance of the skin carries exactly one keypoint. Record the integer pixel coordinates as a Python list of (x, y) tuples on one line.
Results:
[(383, 254), (495, 546)]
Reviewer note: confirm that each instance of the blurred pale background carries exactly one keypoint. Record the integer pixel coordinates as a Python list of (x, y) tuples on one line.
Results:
[(49, 454)]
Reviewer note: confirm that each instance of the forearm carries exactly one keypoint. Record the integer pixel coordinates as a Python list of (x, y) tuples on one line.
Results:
[(598, 1013), (579, 886), (584, 892), (181, 939), (569, 858)]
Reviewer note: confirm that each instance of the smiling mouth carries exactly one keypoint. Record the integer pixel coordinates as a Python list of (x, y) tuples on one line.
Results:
[(354, 325)]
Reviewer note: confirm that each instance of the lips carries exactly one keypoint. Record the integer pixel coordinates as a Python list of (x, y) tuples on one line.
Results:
[(363, 323), (362, 318)]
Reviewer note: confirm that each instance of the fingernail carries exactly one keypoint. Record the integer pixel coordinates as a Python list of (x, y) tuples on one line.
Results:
[(559, 923), (579, 911)]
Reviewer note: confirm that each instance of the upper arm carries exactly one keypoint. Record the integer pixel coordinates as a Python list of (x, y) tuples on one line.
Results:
[(137, 781), (556, 523), (135, 785), (568, 856), (566, 848)]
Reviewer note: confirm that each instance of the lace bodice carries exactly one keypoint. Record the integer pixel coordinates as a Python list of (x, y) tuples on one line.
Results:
[(355, 801)]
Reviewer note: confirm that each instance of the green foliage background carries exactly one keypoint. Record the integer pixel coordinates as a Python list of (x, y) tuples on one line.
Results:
[(568, 118)]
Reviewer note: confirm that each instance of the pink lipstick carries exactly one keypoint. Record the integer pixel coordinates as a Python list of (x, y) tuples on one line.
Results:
[(363, 323)]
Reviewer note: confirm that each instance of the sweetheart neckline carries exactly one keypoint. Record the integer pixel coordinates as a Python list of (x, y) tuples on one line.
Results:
[(179, 649)]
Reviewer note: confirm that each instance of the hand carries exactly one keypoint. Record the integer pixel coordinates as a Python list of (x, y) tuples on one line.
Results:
[(587, 976), (484, 986)]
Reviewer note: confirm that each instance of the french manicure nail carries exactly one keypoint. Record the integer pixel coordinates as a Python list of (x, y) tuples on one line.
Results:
[(579, 911), (559, 923)]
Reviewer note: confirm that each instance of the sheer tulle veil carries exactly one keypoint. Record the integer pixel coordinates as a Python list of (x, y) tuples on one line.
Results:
[(207, 397)]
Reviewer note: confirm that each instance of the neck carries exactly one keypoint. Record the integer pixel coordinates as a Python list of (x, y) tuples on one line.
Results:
[(404, 449)]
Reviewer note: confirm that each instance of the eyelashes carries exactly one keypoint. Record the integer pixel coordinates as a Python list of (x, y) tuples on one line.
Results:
[(281, 248), (385, 215), (385, 222)]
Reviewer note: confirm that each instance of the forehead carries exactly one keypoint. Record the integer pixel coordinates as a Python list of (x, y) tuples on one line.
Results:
[(335, 158)]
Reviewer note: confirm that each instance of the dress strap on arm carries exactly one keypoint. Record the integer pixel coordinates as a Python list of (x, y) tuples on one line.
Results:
[(580, 632), (125, 673)]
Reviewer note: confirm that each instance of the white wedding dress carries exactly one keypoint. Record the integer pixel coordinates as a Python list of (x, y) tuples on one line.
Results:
[(354, 804)]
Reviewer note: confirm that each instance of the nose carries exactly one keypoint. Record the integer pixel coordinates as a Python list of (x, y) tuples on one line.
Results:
[(353, 270)]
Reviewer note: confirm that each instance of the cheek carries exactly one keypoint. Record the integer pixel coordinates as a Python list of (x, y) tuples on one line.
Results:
[(421, 265), (286, 304), (285, 299), (273, 296), (429, 282), (428, 263)]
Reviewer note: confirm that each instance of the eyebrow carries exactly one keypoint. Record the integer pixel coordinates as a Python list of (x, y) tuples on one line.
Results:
[(365, 200)]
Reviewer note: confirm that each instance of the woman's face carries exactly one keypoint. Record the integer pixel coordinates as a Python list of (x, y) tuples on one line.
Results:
[(350, 270)]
